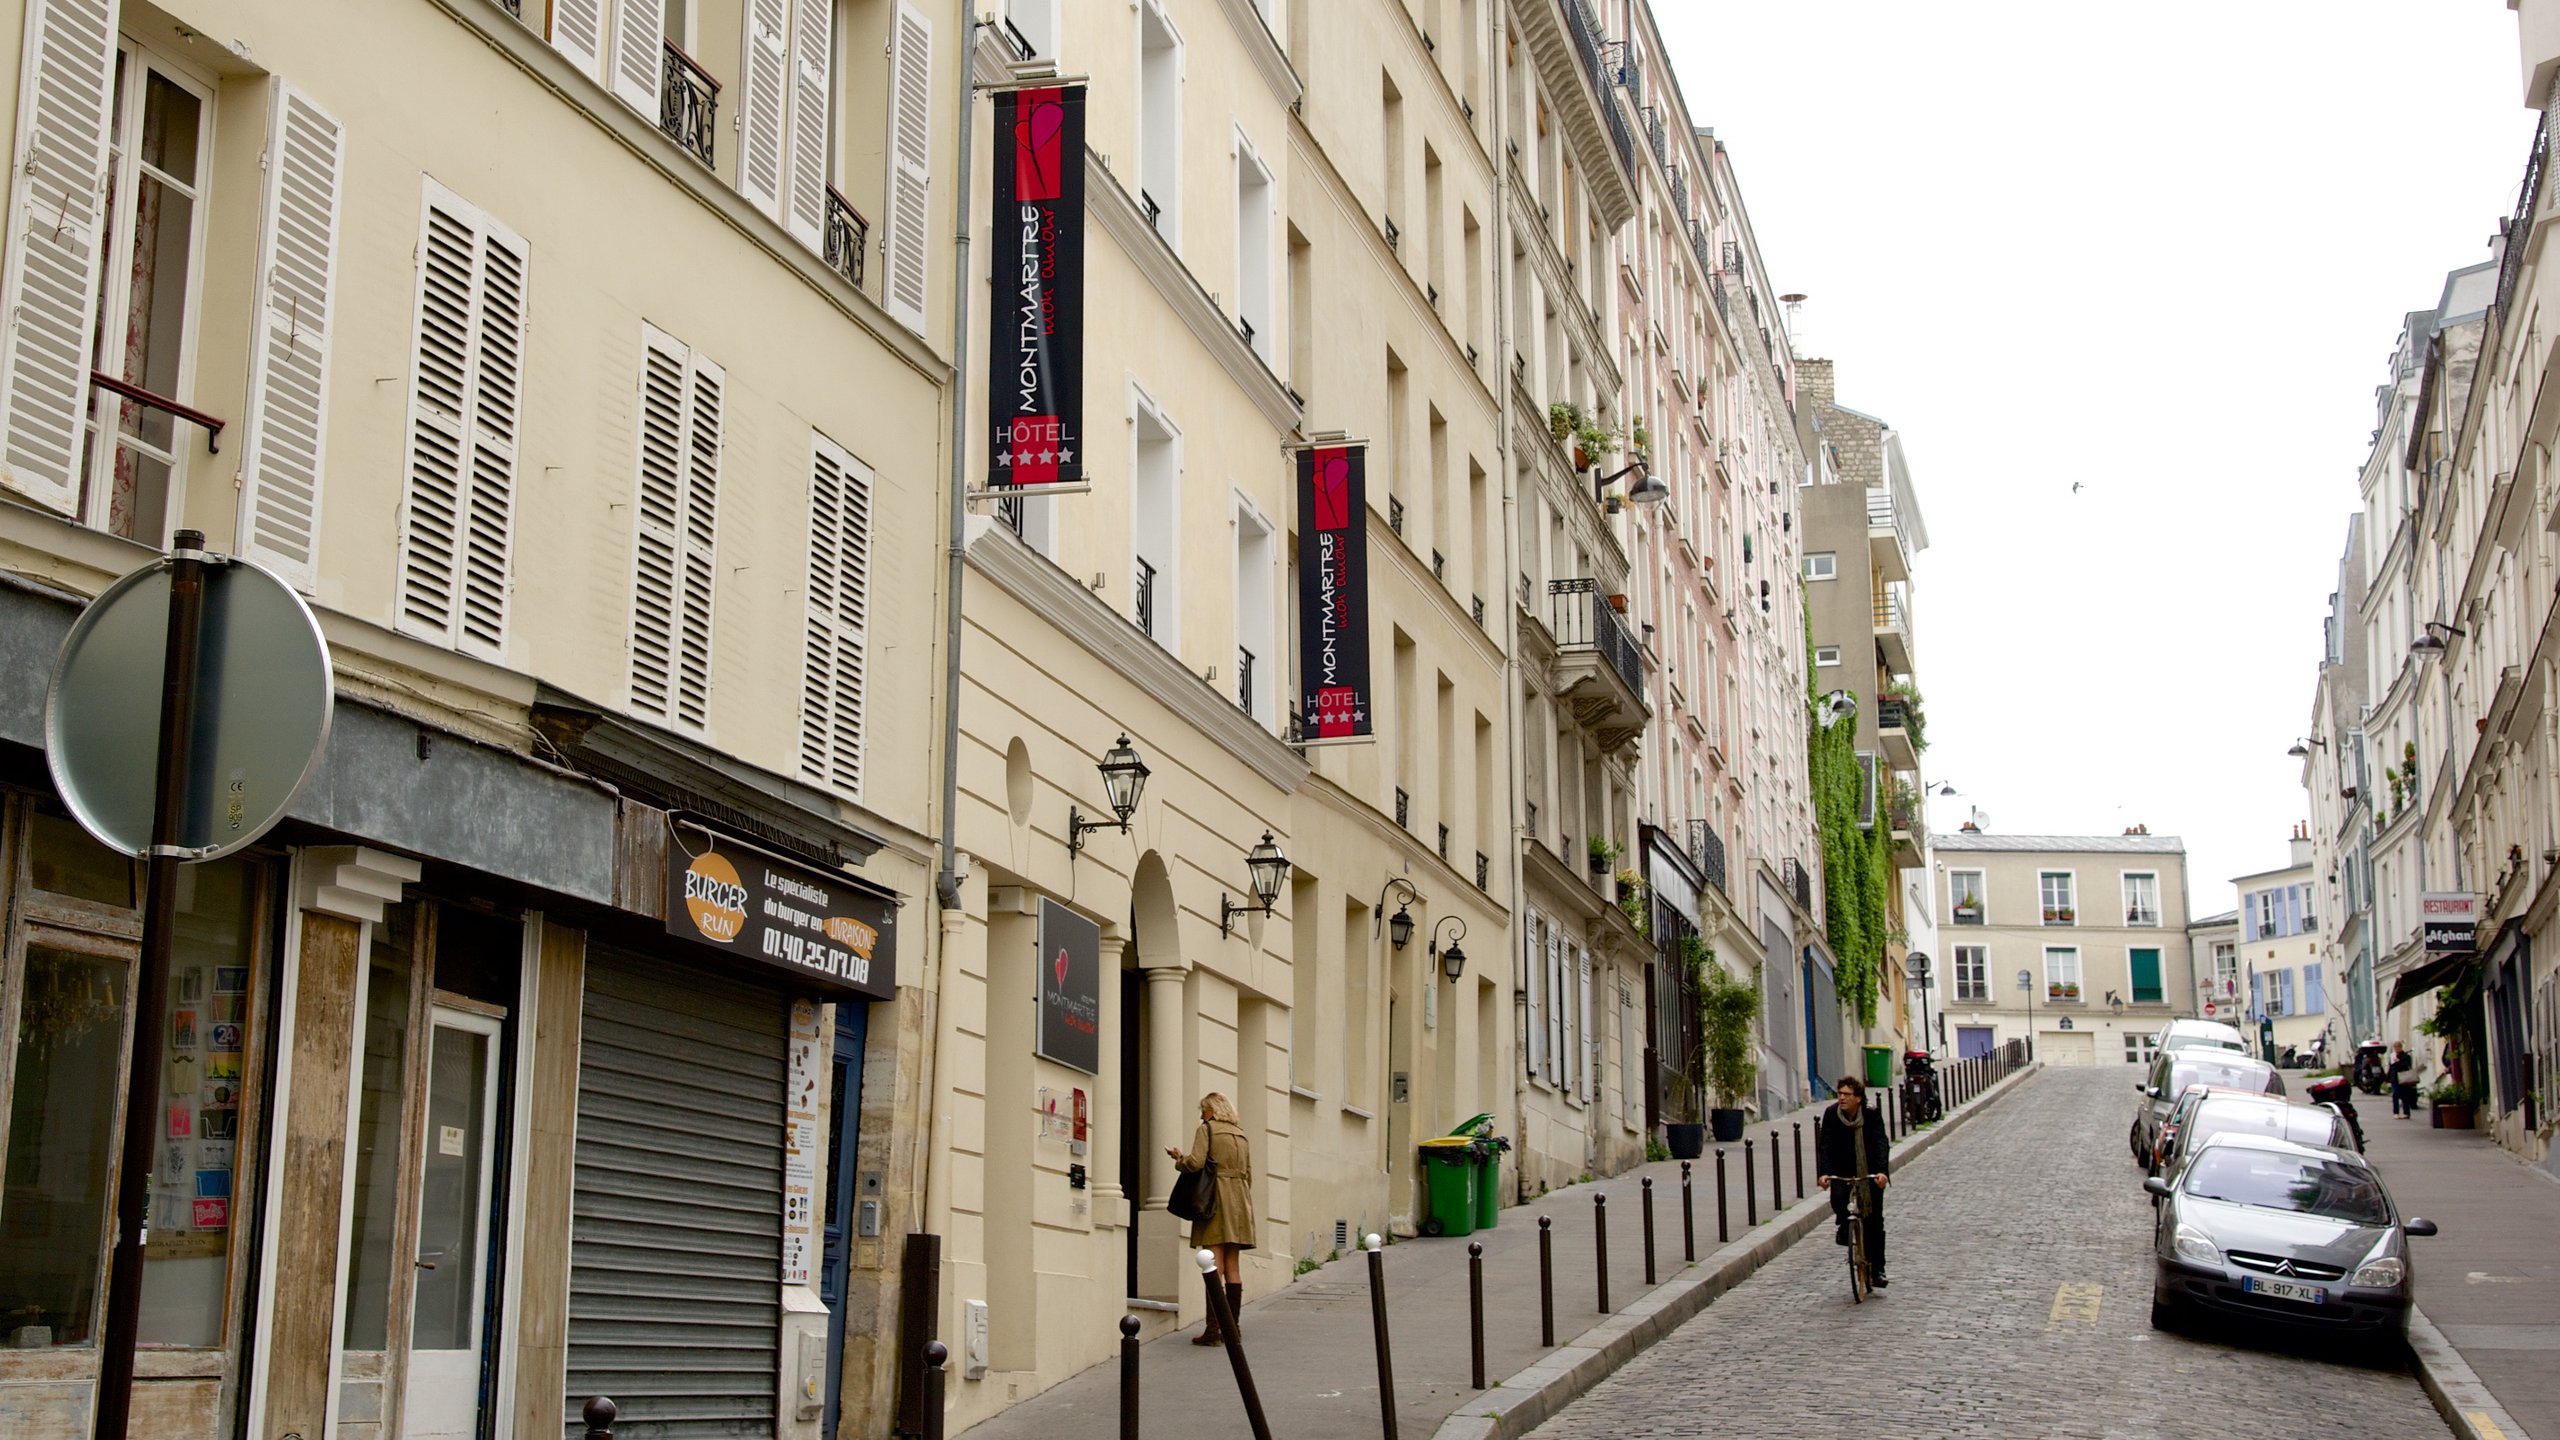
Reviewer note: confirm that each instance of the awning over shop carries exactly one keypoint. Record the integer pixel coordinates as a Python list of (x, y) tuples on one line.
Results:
[(2428, 974)]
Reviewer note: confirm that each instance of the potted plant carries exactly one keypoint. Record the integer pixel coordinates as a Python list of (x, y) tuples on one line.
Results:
[(1593, 442), (2450, 1105), (1631, 902), (1727, 1005), (1688, 1138), (1602, 852), (1639, 439)]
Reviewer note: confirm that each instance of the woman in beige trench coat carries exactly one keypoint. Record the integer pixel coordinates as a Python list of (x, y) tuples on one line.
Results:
[(1230, 1228)]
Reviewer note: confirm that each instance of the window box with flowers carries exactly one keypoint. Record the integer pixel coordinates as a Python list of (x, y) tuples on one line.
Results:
[(2062, 990), (2060, 915)]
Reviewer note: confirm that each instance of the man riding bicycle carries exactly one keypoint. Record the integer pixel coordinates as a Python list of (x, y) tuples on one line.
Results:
[(1849, 1144)]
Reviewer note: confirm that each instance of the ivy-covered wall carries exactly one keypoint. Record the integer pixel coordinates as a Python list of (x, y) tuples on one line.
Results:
[(1857, 864)]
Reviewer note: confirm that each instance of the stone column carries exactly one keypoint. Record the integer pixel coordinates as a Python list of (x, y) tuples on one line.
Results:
[(1171, 1109)]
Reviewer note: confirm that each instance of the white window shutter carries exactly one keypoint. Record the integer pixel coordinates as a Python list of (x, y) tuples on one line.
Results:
[(904, 243), (1536, 971), (284, 432), (837, 638), (639, 55), (577, 31), (704, 386), (812, 117), (764, 71), (675, 532), (466, 377), (54, 245), (1590, 1037)]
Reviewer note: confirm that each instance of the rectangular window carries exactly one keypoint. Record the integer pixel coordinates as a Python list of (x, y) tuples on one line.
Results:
[(1964, 896), (677, 522), (2144, 962), (1826, 655), (1535, 967), (835, 639), (1256, 649), (1973, 973), (1156, 478), (2141, 898), (2061, 972), (2054, 887), (1253, 249), (2280, 991), (457, 528), (2226, 969), (1160, 122), (1034, 24), (1822, 566)]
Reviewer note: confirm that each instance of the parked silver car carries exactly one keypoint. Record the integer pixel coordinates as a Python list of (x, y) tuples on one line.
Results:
[(2205, 1111), (2170, 1075), (2270, 1229)]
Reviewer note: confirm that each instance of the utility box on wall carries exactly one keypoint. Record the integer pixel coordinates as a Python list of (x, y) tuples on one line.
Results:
[(973, 1339)]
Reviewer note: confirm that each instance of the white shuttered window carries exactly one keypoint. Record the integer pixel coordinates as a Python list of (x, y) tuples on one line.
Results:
[(839, 623), (905, 245), (458, 520), (285, 430), (1535, 967), (639, 54), (577, 31), (53, 246), (678, 521), (764, 67), (812, 71)]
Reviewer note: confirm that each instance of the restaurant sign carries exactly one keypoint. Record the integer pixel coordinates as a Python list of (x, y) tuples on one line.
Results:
[(829, 937), (2451, 921)]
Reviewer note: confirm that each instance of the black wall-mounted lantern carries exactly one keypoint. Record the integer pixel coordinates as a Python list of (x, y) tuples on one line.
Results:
[(1269, 869), (1124, 779)]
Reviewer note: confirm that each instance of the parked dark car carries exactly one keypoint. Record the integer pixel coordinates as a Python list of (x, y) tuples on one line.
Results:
[(2205, 1111), (2272, 1230), (2170, 1075)]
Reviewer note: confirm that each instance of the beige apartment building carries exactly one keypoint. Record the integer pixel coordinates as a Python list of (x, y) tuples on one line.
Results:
[(2078, 942), (546, 350), (2288, 986)]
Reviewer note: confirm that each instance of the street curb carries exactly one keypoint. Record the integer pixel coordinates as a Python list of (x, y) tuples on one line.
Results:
[(1522, 1401), (2465, 1403)]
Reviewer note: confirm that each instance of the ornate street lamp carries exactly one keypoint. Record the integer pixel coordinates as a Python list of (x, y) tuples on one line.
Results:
[(1270, 869), (1124, 779), (1453, 961), (1400, 925)]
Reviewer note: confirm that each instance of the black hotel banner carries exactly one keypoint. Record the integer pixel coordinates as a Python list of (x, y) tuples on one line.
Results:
[(1333, 594), (1070, 988), (1035, 341)]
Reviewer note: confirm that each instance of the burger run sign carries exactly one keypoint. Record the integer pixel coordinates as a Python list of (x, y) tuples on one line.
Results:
[(831, 938)]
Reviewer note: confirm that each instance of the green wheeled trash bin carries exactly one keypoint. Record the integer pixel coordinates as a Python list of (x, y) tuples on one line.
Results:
[(1486, 1150), (1880, 1066), (1449, 1186)]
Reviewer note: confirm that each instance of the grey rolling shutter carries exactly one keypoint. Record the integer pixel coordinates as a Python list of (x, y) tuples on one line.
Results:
[(675, 1269)]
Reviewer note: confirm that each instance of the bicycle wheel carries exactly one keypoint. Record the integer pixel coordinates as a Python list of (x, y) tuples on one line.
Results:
[(1857, 1254)]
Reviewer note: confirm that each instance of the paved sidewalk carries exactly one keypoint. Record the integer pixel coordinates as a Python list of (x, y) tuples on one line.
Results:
[(1310, 1346), (2490, 1283)]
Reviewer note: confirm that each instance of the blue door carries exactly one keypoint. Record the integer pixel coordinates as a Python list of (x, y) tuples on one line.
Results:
[(844, 1134), (1974, 1041)]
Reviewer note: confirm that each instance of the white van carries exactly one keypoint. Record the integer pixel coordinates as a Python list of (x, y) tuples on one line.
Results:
[(2210, 1034)]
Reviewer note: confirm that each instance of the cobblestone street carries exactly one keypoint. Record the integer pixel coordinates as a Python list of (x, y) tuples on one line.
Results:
[(1997, 1238)]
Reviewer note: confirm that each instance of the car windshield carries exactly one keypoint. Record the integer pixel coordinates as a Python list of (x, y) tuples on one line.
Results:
[(2255, 1119), (2197, 1067), (2331, 1189)]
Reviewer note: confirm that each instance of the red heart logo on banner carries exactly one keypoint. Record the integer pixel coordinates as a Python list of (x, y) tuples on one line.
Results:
[(1035, 150), (1062, 965), (1333, 491)]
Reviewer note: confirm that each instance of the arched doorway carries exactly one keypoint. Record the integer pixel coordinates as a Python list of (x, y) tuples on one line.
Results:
[(1152, 1078)]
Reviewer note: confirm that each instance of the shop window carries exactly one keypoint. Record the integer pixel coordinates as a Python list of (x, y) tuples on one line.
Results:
[(382, 1081), (195, 1196), (62, 1145), (63, 860)]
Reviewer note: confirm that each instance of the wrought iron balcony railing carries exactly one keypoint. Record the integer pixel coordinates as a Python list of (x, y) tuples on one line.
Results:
[(2520, 229), (1800, 881), (688, 103), (1244, 679), (848, 236), (1146, 597), (1581, 617), (1707, 848)]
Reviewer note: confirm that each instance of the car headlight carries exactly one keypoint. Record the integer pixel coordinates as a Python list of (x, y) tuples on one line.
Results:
[(2386, 1273), (2194, 1244)]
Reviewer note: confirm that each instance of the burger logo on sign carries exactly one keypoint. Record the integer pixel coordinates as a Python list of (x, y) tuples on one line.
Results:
[(714, 898)]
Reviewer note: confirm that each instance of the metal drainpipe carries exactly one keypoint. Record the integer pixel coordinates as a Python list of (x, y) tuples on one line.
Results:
[(1503, 342), (946, 884)]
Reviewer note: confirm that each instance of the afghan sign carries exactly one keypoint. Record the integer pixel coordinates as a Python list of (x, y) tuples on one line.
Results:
[(2451, 923), (828, 936), (1070, 988), (1035, 342), (1333, 595)]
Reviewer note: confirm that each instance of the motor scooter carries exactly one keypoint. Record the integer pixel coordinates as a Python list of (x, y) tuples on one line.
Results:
[(2338, 1093), (2370, 1072)]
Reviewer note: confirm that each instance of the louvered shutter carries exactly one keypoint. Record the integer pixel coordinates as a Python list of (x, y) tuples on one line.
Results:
[(764, 71), (836, 642), (577, 31), (639, 55), (903, 244), (678, 515), (677, 1195), (812, 62), (1536, 970), (283, 445), (1590, 1036), (458, 518), (54, 244), (1558, 1005)]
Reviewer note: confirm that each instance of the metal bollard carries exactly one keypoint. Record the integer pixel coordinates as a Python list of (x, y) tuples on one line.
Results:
[(1378, 1326), (1799, 1143), (1546, 1282), (1600, 1241), (1475, 1311), (1688, 1218), (600, 1412), (1724, 1225), (935, 1354), (1648, 1232), (1777, 1187), (1892, 1114), (1128, 1377), (1211, 1281), (1750, 1186)]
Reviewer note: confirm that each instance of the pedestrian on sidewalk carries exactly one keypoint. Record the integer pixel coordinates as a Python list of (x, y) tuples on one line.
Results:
[(1850, 1147), (1229, 1229), (2404, 1080)]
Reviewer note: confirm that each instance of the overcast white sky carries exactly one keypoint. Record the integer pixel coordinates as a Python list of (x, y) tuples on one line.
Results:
[(2162, 250)]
